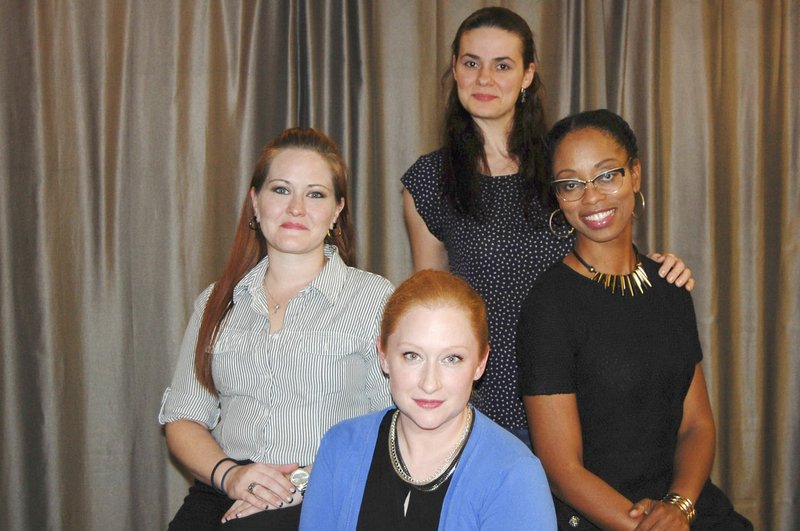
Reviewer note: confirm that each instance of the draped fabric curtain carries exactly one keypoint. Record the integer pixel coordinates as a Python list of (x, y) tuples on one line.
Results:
[(129, 130)]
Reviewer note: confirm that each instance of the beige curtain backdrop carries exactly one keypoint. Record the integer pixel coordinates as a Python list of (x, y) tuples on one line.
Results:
[(129, 129)]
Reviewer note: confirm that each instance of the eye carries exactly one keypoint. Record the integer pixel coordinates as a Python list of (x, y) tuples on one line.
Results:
[(411, 356), (570, 186), (452, 359), (280, 190), (608, 176), (316, 195), (469, 63), (503, 66)]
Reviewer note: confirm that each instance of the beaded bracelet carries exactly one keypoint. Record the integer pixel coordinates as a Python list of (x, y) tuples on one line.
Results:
[(214, 470), (684, 504), (222, 482)]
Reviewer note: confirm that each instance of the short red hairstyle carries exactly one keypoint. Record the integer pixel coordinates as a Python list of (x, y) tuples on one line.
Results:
[(435, 289)]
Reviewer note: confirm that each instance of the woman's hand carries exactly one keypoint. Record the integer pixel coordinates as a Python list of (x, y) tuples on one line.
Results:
[(259, 487), (658, 516), (673, 269)]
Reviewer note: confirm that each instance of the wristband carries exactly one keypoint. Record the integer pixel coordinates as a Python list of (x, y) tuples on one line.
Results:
[(222, 482), (214, 470)]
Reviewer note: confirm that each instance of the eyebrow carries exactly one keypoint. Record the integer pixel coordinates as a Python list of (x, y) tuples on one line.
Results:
[(312, 185), (602, 162), (473, 56)]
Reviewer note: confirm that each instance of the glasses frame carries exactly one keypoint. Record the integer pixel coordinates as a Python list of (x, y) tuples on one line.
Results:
[(586, 184)]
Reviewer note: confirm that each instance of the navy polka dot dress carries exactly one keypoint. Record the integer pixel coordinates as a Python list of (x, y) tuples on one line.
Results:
[(500, 256)]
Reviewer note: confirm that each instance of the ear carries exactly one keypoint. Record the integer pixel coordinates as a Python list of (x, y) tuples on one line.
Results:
[(527, 78), (481, 366), (254, 200), (636, 175), (382, 357), (339, 208)]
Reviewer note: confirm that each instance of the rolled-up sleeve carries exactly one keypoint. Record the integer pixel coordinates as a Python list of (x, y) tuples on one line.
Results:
[(185, 398)]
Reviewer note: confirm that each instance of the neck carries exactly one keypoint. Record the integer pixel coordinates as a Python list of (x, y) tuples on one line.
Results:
[(495, 145), (615, 257), (424, 450), (288, 271)]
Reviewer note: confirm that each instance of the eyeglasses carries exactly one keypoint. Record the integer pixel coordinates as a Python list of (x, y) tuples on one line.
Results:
[(608, 182)]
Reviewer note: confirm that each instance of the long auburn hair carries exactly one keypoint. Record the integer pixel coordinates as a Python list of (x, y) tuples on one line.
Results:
[(249, 246), (463, 142)]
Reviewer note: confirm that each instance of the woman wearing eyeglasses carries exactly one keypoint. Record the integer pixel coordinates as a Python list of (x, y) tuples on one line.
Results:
[(610, 356)]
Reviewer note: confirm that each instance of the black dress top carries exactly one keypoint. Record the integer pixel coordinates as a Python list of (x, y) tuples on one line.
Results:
[(385, 494), (629, 361)]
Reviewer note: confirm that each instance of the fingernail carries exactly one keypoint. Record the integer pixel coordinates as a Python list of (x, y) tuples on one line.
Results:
[(281, 504), (292, 490), (290, 499)]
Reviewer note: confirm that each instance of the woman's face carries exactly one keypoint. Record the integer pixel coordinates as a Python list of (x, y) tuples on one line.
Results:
[(432, 358), (297, 203), (584, 154), (490, 73)]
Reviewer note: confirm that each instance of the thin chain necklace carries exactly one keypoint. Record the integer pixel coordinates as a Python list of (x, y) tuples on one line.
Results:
[(274, 306), (637, 277), (443, 473)]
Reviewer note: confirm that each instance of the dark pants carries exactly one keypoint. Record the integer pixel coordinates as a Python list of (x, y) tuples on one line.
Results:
[(203, 508)]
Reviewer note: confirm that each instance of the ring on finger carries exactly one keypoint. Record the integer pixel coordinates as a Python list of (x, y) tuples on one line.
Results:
[(251, 486)]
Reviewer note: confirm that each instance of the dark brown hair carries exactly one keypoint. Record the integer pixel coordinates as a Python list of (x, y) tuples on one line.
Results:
[(250, 246), (464, 152)]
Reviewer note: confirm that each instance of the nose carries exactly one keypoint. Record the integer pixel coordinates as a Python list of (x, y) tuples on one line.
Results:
[(430, 378), (297, 205), (485, 75), (591, 194)]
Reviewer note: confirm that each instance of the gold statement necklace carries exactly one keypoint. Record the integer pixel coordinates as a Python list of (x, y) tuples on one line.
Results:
[(624, 283), (443, 473)]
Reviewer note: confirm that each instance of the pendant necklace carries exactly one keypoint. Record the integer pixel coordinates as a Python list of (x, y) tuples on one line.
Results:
[(275, 306), (636, 278), (443, 473)]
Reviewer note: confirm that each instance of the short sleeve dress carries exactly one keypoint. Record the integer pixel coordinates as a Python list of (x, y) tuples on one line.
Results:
[(500, 255), (629, 360)]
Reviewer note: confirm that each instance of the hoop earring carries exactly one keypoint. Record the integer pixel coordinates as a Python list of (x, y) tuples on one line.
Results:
[(561, 235), (522, 95), (253, 224), (637, 215)]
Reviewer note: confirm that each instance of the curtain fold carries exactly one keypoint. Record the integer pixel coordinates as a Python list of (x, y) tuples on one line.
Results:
[(130, 129)]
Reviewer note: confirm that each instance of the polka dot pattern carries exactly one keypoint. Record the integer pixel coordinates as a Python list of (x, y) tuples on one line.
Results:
[(501, 256)]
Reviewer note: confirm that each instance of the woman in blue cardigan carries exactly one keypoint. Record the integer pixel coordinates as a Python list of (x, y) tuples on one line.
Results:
[(433, 461)]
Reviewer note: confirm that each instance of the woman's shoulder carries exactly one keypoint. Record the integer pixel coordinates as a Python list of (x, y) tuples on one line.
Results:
[(426, 169), (498, 442), (354, 430)]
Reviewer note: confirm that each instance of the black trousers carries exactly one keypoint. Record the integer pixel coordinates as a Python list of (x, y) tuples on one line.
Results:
[(203, 508)]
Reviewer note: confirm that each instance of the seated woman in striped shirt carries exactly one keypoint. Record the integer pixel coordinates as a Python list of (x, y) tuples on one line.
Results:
[(279, 349)]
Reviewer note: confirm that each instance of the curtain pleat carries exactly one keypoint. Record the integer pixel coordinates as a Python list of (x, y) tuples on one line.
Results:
[(130, 129)]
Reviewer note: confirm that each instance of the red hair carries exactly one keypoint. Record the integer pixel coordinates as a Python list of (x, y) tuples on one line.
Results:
[(249, 246), (435, 289)]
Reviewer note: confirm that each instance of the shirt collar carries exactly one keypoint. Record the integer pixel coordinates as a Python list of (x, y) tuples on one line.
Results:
[(328, 282)]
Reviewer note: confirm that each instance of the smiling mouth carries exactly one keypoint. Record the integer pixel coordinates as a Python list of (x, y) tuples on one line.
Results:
[(484, 97), (599, 216)]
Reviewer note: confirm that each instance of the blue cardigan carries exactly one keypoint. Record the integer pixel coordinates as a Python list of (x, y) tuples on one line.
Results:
[(498, 483)]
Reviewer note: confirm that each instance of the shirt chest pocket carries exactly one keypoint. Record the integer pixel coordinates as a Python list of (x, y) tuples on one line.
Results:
[(332, 364), (236, 363)]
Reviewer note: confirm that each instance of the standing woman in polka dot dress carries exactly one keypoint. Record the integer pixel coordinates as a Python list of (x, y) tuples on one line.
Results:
[(473, 206)]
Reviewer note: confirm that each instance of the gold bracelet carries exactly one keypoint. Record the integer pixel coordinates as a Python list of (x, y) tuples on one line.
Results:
[(684, 504)]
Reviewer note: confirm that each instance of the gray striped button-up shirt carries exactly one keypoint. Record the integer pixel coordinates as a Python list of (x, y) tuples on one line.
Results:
[(279, 393)]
